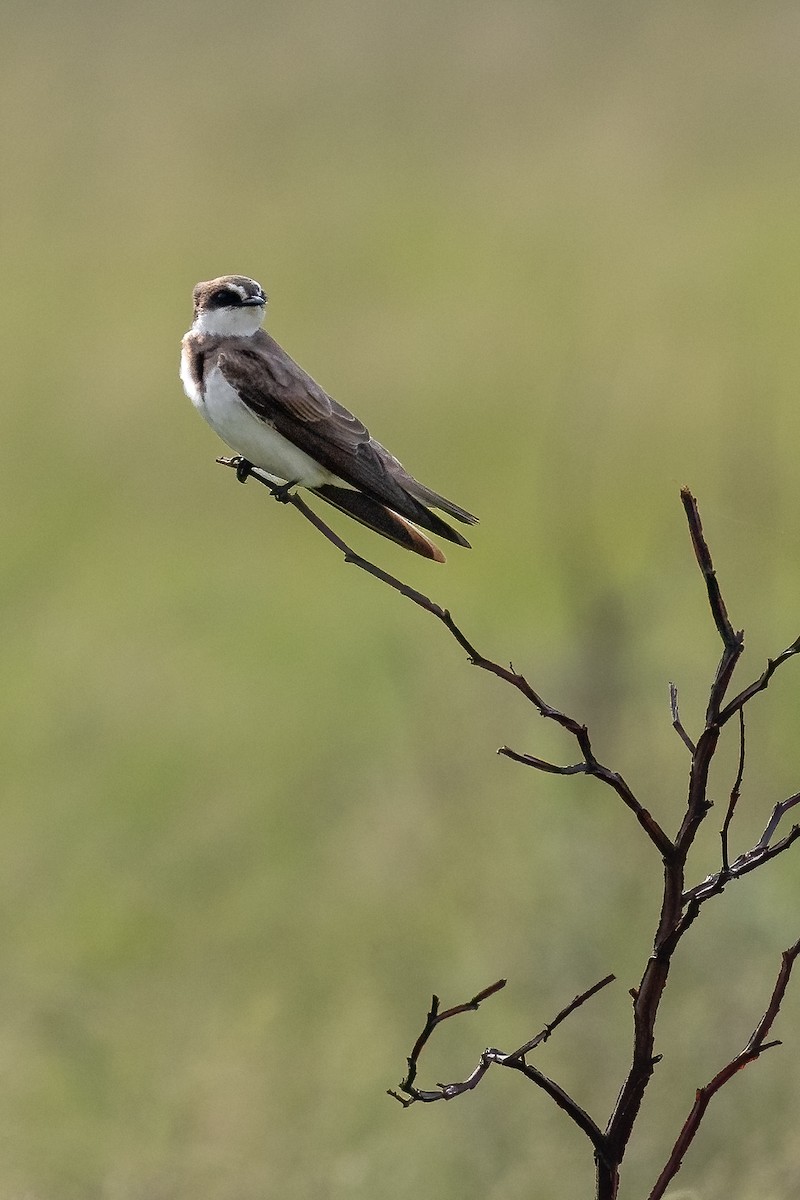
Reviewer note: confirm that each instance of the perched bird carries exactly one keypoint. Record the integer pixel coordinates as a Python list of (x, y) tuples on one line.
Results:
[(267, 409)]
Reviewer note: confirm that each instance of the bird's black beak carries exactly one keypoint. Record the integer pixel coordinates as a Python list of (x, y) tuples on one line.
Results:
[(254, 301)]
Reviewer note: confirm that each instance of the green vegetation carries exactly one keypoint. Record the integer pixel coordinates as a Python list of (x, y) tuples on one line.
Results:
[(252, 815)]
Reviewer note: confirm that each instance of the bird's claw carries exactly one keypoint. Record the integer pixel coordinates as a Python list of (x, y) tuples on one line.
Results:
[(242, 467), (282, 493)]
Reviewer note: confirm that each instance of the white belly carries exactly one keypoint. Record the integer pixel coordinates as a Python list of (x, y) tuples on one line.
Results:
[(251, 437)]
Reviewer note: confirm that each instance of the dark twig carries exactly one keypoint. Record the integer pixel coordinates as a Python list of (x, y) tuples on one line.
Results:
[(591, 766), (736, 791), (733, 642), (755, 1047), (703, 555), (564, 1101), (434, 1018), (774, 821), (562, 1016), (758, 685), (677, 724)]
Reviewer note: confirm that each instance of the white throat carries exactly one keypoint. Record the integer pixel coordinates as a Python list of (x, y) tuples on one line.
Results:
[(230, 322)]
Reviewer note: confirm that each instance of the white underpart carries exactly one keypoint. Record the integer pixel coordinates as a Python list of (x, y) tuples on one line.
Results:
[(230, 322), (248, 435)]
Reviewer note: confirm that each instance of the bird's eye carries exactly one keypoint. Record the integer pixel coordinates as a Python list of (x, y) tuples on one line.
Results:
[(225, 298)]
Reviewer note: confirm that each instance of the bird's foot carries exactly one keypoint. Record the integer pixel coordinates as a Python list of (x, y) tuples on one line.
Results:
[(282, 493), (243, 469)]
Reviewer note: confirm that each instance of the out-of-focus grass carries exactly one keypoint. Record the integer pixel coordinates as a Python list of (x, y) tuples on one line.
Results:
[(252, 815)]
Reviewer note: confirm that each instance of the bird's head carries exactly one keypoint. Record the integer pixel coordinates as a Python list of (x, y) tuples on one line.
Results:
[(232, 306)]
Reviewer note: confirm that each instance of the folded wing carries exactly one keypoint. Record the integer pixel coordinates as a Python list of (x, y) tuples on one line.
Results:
[(277, 389)]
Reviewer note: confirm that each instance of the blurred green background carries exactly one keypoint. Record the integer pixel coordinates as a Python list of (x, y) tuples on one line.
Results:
[(252, 815)]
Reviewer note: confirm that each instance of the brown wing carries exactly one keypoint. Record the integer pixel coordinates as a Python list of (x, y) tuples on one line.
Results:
[(281, 393)]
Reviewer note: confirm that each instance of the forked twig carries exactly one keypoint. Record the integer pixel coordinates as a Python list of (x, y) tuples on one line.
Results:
[(764, 850), (758, 685), (434, 1018), (516, 1061)]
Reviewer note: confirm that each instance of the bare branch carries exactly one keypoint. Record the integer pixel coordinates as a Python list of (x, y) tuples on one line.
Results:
[(755, 1047), (677, 724), (581, 734)]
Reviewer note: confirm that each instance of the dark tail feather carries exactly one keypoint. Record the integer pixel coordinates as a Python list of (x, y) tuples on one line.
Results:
[(431, 521), (412, 506), (381, 519), (433, 500)]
